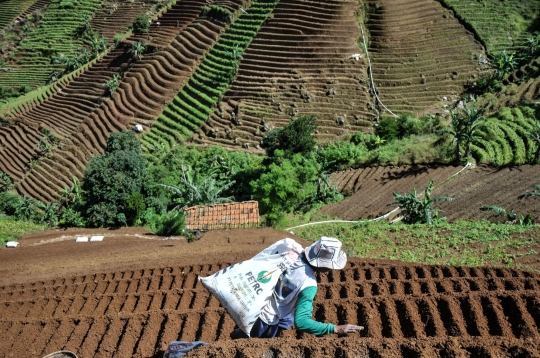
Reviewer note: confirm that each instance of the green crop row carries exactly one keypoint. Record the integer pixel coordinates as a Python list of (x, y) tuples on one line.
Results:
[(506, 139), (484, 18), (196, 100), (10, 9), (58, 32)]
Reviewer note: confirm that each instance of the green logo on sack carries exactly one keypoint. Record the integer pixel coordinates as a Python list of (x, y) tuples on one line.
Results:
[(264, 276)]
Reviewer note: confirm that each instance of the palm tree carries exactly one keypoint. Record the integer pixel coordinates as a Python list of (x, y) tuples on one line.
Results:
[(72, 195), (417, 210), (504, 64), (200, 191), (465, 125), (137, 49)]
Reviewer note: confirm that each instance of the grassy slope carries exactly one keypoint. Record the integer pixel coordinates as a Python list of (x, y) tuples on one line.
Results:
[(478, 243), (11, 229)]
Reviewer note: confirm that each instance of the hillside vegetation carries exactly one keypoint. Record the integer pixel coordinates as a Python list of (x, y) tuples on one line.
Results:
[(383, 83)]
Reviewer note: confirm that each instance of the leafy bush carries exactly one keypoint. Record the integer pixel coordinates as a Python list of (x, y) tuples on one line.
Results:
[(291, 184), (9, 202), (295, 137), (388, 129), (70, 217), (66, 5), (141, 24), (168, 224), (218, 13), (338, 155), (111, 178)]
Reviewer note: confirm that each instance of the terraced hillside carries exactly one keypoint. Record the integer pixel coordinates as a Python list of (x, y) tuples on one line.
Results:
[(408, 310), (13, 8), (315, 40), (483, 17), (422, 56), (31, 63), (209, 82), (81, 117)]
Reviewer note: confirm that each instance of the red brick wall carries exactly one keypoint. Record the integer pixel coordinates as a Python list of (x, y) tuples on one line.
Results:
[(222, 216)]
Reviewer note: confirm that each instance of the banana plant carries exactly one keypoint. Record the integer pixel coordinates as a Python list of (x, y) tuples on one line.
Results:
[(416, 210)]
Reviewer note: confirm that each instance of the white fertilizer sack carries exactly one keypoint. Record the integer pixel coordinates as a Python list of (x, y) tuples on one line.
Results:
[(244, 288)]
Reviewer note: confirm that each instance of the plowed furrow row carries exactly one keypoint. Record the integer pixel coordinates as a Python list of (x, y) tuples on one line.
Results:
[(463, 317), (434, 314), (362, 347), (393, 279)]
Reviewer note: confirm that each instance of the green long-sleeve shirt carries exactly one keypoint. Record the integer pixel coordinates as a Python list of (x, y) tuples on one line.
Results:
[(303, 314)]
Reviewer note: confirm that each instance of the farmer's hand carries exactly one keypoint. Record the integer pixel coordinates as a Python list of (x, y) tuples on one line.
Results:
[(348, 328)]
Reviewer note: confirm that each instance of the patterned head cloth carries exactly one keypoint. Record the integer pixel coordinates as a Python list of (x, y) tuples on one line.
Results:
[(326, 252)]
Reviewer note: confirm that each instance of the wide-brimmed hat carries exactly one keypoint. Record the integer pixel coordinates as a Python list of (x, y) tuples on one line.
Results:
[(326, 252)]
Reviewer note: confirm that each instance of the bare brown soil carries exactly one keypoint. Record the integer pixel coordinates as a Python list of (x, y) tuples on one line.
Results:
[(133, 293), (371, 190)]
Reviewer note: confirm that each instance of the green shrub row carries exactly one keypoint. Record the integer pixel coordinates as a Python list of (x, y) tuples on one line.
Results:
[(506, 138), (10, 9)]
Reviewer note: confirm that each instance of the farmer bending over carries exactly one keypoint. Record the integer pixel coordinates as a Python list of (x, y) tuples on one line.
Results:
[(292, 299)]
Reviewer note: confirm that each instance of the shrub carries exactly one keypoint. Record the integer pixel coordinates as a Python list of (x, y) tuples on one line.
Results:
[(337, 155), (66, 5), (70, 217), (388, 129), (141, 24), (291, 184), (9, 202), (168, 224), (295, 137), (218, 13)]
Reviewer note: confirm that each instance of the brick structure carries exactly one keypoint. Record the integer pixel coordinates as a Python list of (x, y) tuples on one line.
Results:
[(222, 216)]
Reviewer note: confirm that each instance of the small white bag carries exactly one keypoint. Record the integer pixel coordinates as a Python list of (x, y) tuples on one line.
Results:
[(244, 288)]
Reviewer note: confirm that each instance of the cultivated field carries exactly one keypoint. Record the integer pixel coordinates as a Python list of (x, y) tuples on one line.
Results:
[(132, 294), (205, 82)]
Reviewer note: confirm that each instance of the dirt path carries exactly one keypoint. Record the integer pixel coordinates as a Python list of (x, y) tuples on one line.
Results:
[(133, 293)]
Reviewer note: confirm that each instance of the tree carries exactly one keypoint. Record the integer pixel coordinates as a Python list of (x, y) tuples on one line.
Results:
[(464, 127), (137, 49), (111, 178), (141, 24), (417, 210), (295, 137), (291, 184)]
